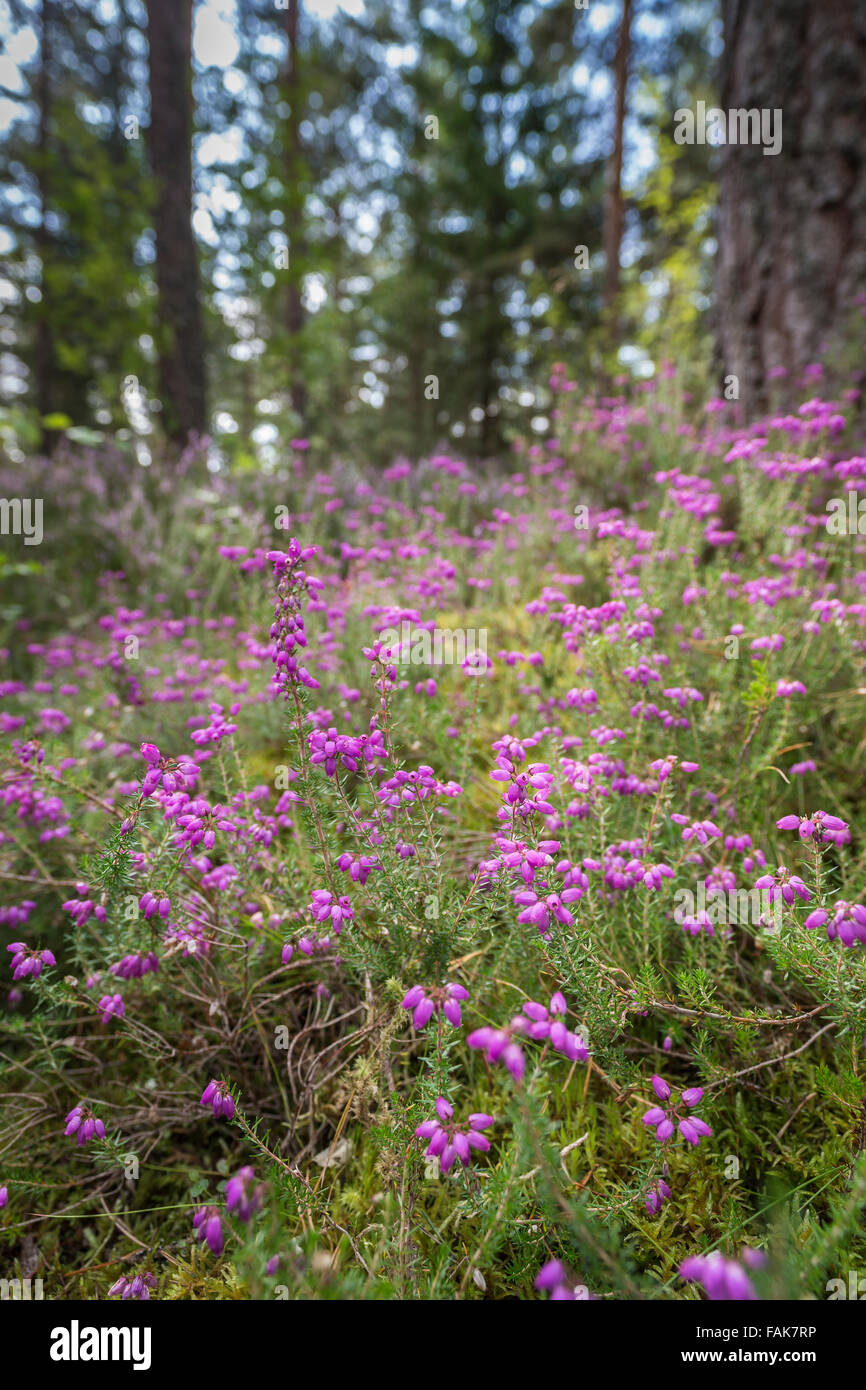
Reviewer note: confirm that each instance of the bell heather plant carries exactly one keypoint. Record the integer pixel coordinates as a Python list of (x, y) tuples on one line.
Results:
[(520, 976)]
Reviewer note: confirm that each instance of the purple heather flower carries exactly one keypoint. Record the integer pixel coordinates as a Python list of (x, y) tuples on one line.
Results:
[(543, 1024), (82, 1122), (216, 1094), (443, 999), (823, 827), (325, 908), (16, 914), (27, 961), (700, 830), (540, 910), (83, 908), (657, 1194), (111, 1005), (845, 920), (287, 630), (150, 905), (784, 885), (536, 1022), (328, 749), (699, 922), (243, 1196), (358, 867), (174, 774), (132, 967), (447, 1142), (208, 1226), (311, 943), (133, 1286), (553, 1279), (499, 1046), (4, 1197), (666, 1119), (200, 822), (721, 1278)]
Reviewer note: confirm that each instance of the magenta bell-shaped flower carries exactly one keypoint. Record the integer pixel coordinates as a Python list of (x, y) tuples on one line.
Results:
[(84, 1124), (666, 1120), (243, 1197), (450, 1143), (208, 1226), (216, 1094), (444, 999)]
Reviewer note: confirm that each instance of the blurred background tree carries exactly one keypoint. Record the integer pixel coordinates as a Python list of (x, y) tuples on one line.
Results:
[(385, 220), (792, 231)]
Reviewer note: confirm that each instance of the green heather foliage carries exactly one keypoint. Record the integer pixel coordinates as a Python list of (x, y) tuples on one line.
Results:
[(676, 647)]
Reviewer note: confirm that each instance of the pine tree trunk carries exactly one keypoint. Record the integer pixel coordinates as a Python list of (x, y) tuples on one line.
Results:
[(181, 349), (613, 206), (792, 226), (294, 216), (45, 364)]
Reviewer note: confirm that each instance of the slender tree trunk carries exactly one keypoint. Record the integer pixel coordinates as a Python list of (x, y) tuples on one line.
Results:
[(181, 348), (294, 305), (792, 226), (613, 207), (490, 437), (44, 361)]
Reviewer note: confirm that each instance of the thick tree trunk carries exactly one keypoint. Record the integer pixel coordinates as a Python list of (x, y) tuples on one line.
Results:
[(792, 226), (181, 349), (613, 205)]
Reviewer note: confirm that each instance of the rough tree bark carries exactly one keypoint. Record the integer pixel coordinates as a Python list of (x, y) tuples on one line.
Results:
[(181, 348), (792, 226)]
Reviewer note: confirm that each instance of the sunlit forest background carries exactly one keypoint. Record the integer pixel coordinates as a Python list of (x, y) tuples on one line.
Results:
[(402, 214)]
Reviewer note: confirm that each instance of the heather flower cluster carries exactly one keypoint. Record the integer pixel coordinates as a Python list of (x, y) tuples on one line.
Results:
[(723, 1279), (844, 920), (537, 1022), (554, 1280), (444, 999), (287, 632), (207, 1224), (82, 1122), (821, 826), (450, 1143), (216, 1094), (27, 961), (667, 1118), (244, 1197), (379, 904), (136, 1286)]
